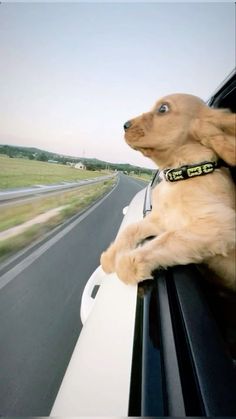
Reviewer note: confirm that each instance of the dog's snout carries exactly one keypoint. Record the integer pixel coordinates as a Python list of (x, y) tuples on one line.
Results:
[(127, 125)]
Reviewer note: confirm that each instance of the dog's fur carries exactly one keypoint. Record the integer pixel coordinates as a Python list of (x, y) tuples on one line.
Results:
[(194, 219)]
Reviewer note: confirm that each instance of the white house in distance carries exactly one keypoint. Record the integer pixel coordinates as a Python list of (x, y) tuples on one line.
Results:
[(80, 166)]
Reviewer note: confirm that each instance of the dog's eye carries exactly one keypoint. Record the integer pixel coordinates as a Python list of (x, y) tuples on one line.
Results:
[(163, 108)]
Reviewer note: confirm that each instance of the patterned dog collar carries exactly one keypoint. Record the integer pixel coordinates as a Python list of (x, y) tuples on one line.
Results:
[(190, 171)]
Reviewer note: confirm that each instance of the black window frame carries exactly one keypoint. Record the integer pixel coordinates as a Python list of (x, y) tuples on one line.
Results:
[(181, 365)]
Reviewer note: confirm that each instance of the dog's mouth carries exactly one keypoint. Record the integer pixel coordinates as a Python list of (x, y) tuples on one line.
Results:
[(134, 134), (135, 139), (146, 151)]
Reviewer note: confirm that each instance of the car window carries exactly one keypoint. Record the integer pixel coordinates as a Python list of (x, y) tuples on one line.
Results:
[(221, 303)]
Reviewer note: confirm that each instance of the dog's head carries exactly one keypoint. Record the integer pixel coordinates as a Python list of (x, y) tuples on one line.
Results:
[(178, 120)]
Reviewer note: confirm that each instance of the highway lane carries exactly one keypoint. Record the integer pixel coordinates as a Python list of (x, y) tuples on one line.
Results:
[(40, 305)]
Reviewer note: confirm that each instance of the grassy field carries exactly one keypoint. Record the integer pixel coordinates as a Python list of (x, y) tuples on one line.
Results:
[(143, 176), (75, 201), (16, 173)]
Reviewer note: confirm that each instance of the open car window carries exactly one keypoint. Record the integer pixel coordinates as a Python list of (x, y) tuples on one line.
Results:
[(184, 359), (223, 304)]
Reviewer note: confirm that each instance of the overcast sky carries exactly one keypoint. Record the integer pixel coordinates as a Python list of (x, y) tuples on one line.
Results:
[(72, 73)]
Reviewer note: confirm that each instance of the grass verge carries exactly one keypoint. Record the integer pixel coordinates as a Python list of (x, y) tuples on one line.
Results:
[(75, 201), (143, 176)]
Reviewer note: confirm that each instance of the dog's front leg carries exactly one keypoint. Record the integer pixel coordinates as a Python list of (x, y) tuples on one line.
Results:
[(169, 249), (127, 240)]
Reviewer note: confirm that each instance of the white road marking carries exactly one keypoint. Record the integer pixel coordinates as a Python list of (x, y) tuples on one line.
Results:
[(25, 263)]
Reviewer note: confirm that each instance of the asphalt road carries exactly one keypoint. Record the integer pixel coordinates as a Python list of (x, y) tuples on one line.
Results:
[(40, 304)]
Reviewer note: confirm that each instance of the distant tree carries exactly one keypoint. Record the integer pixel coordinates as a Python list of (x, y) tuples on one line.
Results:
[(90, 167), (10, 153), (31, 156), (42, 157)]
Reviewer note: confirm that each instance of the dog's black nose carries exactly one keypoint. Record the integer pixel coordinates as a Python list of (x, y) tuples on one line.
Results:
[(127, 125)]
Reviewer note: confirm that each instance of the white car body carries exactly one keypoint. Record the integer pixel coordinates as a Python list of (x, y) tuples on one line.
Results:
[(97, 380)]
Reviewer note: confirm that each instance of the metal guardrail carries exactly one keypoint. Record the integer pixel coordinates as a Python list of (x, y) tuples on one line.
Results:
[(10, 195)]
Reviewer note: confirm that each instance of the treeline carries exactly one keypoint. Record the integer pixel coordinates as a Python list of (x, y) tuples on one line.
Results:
[(33, 153), (30, 153), (93, 164)]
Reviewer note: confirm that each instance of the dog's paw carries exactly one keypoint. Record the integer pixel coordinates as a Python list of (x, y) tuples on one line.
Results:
[(107, 260), (131, 269)]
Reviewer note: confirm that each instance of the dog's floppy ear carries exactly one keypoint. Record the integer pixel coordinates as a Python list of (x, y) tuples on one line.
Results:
[(215, 129)]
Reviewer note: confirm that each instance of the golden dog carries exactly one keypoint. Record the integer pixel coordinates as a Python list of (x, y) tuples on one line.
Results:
[(193, 216)]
